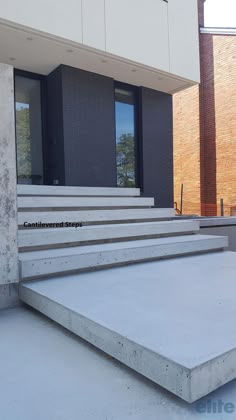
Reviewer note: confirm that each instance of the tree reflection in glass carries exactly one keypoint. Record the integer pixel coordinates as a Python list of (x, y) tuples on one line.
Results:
[(125, 138)]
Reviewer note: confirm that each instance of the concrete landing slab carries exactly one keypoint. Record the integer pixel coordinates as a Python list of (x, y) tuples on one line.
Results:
[(172, 321), (49, 374)]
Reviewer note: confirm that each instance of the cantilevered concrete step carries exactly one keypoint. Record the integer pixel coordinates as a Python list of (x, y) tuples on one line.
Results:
[(173, 321), (80, 202), (94, 216), (55, 190), (51, 237), (63, 260)]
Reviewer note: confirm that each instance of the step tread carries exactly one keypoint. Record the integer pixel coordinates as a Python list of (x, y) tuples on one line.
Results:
[(155, 318), (185, 224), (54, 202), (79, 250), (94, 215), (59, 190)]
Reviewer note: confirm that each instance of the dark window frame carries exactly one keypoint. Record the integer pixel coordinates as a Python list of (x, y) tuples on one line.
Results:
[(43, 98), (137, 126)]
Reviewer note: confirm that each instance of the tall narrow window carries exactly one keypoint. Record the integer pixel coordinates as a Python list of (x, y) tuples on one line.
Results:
[(28, 130), (125, 110)]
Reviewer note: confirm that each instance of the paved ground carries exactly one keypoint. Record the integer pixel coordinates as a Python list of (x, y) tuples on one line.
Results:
[(47, 373)]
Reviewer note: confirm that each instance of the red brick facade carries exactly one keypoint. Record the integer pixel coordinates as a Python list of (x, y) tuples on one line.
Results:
[(205, 131)]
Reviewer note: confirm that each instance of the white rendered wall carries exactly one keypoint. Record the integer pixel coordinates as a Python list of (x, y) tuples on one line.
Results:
[(58, 17), (155, 33), (93, 12), (138, 30), (184, 39)]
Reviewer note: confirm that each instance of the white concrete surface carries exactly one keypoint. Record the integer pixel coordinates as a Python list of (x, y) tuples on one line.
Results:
[(54, 375), (59, 236), (172, 321), (58, 190), (90, 257), (94, 216), (79, 202), (8, 215)]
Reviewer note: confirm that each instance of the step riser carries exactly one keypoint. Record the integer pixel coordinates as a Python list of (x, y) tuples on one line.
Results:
[(65, 264), (95, 216), (145, 362), (53, 190), (63, 236)]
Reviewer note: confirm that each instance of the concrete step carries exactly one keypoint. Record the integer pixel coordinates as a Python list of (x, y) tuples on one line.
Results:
[(173, 321), (94, 216), (39, 202), (63, 260), (56, 190), (50, 237)]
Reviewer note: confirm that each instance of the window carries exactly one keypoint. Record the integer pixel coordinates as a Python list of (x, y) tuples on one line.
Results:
[(126, 135), (28, 130)]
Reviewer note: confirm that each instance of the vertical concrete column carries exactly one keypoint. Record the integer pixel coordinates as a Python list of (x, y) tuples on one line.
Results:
[(8, 213)]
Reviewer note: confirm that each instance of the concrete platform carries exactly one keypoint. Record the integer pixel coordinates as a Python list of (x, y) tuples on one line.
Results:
[(173, 321), (48, 373)]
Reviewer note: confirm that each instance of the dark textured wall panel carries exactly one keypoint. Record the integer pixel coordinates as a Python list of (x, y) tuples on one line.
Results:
[(157, 146), (54, 147), (89, 128)]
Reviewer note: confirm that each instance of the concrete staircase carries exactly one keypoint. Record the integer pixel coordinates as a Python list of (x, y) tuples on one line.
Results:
[(126, 311), (118, 227)]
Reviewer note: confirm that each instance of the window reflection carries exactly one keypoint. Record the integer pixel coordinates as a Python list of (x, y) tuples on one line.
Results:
[(125, 137), (28, 131)]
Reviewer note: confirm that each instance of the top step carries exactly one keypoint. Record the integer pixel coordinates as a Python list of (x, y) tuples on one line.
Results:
[(62, 191)]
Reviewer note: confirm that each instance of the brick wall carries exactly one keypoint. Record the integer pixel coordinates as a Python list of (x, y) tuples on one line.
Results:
[(187, 149), (225, 118), (205, 131)]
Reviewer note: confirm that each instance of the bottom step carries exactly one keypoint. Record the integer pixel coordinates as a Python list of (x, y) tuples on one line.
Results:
[(172, 321), (41, 263)]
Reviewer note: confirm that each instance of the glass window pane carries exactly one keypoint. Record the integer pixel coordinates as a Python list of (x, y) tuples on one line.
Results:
[(28, 131), (125, 137)]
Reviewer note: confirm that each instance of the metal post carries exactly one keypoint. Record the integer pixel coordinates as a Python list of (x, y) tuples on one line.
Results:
[(222, 213), (181, 200)]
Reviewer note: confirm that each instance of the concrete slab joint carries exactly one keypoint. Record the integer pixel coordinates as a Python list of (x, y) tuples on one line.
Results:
[(8, 211)]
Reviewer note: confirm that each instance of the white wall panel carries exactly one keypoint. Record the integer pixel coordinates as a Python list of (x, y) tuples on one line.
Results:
[(58, 17), (94, 23), (153, 33), (183, 35), (138, 30)]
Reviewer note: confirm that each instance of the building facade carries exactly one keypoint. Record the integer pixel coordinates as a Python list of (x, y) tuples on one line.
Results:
[(86, 98), (205, 130)]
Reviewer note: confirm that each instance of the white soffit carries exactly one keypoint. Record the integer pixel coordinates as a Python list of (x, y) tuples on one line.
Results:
[(38, 52)]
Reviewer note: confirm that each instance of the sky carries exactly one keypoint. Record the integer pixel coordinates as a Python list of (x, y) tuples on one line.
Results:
[(220, 13)]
